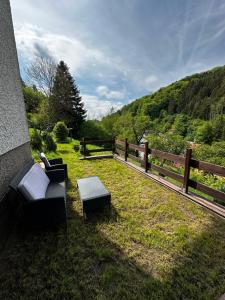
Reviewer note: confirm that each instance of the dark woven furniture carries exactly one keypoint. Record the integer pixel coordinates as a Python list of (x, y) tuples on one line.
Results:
[(93, 194), (53, 164), (47, 211)]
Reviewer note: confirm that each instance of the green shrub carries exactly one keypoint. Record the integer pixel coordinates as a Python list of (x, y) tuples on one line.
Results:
[(50, 144), (76, 147), (36, 140), (93, 130), (61, 132), (168, 143), (214, 154)]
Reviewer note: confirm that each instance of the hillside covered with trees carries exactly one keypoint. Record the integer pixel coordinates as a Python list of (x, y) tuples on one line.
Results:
[(189, 110)]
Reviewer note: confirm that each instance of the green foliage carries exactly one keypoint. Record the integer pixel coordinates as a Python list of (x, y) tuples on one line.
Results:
[(50, 144), (132, 128), (168, 143), (108, 123), (65, 102), (36, 140), (43, 117), (218, 128), (61, 131), (32, 98), (214, 154), (180, 125), (205, 133), (93, 129), (37, 107)]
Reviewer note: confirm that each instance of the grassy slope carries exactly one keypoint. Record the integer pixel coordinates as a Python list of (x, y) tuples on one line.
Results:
[(154, 245)]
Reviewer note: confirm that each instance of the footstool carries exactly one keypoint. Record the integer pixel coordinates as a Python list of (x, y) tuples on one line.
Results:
[(93, 194)]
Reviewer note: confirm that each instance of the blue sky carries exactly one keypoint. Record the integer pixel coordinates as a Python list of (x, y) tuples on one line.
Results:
[(119, 50)]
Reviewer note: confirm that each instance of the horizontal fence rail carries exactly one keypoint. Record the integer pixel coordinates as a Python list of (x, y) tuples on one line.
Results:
[(168, 173), (123, 148), (108, 145), (96, 142), (135, 147), (207, 167), (168, 156)]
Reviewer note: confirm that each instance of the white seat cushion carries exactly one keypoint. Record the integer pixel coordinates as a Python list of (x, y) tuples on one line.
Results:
[(34, 184)]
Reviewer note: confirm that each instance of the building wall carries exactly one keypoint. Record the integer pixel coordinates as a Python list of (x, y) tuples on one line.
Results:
[(13, 124), (14, 137)]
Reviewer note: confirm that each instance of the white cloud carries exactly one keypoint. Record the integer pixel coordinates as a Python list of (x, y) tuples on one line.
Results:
[(97, 108), (31, 39), (104, 91), (150, 81)]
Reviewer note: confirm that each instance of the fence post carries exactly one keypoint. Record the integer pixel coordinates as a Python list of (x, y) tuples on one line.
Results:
[(126, 149), (84, 146), (187, 169), (146, 157), (113, 146), (149, 161)]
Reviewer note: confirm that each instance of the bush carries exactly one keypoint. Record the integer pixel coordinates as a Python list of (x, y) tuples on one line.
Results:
[(168, 142), (36, 140), (93, 130), (76, 147), (205, 133), (61, 132), (214, 154), (50, 143)]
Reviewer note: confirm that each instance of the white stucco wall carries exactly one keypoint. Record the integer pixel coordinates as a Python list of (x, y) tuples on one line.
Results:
[(13, 124)]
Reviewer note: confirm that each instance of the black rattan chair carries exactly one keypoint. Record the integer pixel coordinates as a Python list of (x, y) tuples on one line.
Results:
[(53, 164)]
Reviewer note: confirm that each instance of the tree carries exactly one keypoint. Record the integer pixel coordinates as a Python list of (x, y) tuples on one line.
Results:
[(32, 98), (61, 132), (168, 142), (94, 130), (131, 127), (205, 133), (218, 125), (65, 102), (50, 144), (180, 125), (36, 140), (140, 124), (109, 121), (43, 116), (41, 73)]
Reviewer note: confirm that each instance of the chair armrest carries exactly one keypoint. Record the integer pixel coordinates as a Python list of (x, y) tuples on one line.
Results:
[(58, 175), (55, 161), (46, 211), (57, 167)]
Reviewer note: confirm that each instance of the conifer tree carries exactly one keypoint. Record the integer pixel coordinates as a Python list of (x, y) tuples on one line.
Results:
[(65, 102)]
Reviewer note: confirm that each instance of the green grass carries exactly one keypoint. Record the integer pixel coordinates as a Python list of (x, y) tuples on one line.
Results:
[(154, 244)]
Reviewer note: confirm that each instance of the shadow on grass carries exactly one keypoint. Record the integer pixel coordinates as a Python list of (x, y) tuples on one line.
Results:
[(84, 264)]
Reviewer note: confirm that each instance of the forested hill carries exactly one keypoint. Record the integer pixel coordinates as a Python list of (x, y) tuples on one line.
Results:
[(191, 109), (199, 96)]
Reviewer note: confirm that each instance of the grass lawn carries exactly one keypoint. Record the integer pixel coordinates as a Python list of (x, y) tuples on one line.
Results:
[(155, 244)]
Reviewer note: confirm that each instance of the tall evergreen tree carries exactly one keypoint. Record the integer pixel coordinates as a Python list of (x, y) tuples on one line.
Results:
[(65, 102)]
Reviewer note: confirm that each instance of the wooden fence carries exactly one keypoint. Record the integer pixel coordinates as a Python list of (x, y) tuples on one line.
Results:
[(123, 148), (106, 145)]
